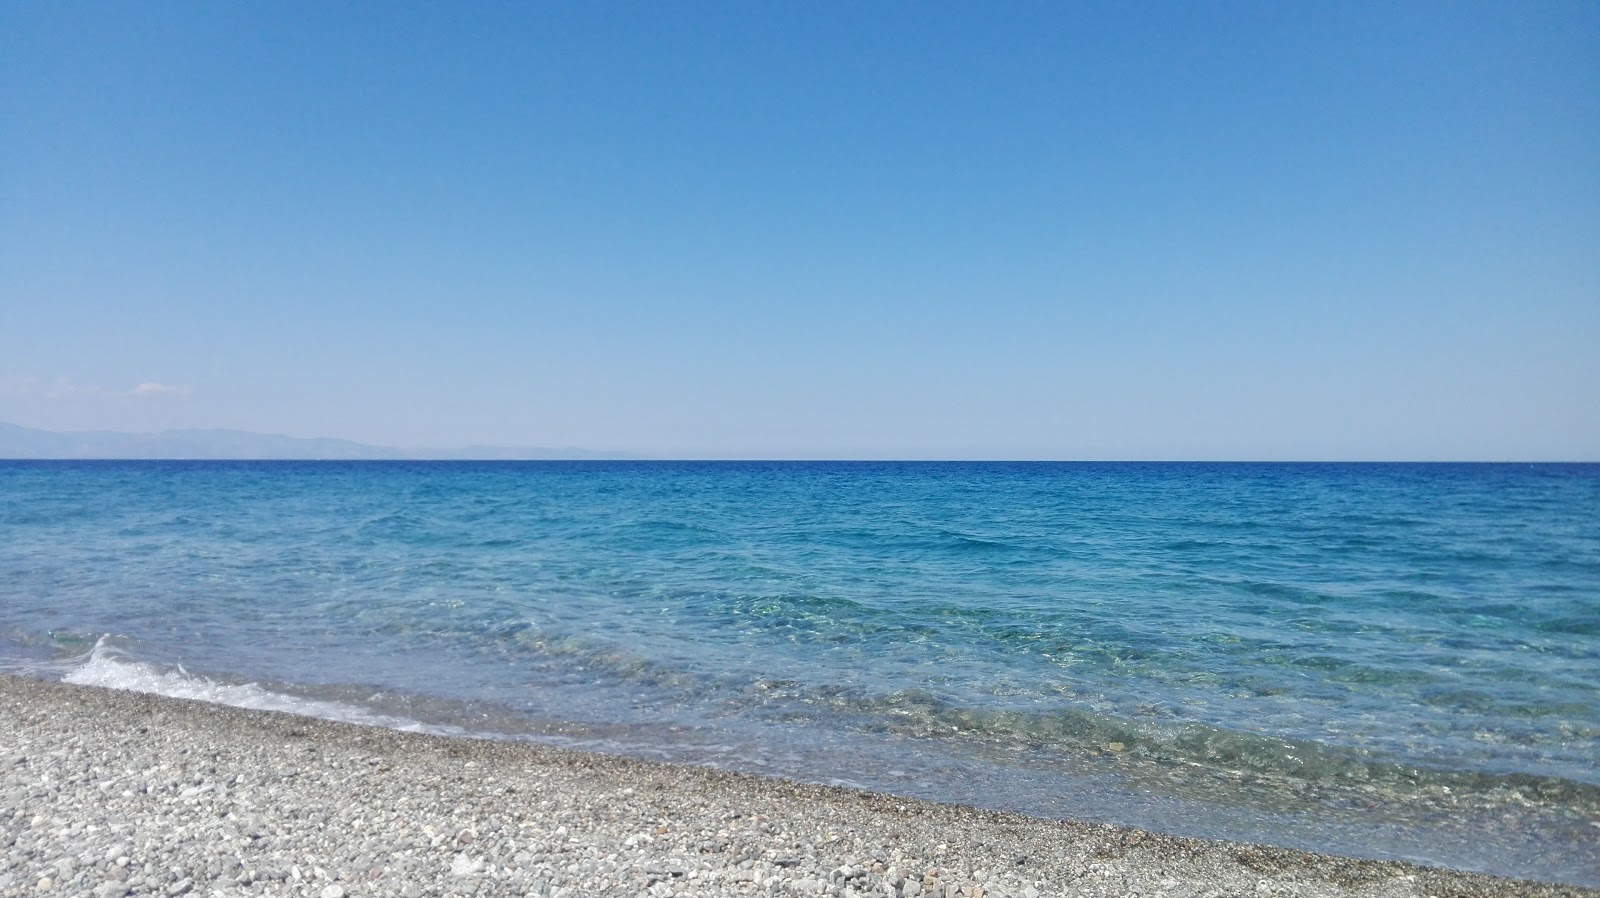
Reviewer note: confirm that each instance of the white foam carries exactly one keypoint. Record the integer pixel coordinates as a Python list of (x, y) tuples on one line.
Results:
[(107, 666)]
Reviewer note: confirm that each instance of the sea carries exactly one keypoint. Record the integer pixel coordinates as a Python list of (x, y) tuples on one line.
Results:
[(1393, 661)]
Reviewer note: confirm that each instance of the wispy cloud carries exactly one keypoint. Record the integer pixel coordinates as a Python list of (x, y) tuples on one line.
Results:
[(35, 387), (57, 388), (157, 389)]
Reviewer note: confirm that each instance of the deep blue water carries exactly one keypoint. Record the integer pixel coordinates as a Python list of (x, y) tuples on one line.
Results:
[(1383, 660)]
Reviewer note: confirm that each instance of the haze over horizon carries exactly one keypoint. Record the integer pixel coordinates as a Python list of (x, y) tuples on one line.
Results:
[(1240, 231), (222, 444)]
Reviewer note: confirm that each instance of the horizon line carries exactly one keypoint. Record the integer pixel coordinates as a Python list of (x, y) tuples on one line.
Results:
[(808, 460)]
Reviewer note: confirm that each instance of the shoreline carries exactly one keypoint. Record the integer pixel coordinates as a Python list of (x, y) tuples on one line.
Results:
[(108, 793)]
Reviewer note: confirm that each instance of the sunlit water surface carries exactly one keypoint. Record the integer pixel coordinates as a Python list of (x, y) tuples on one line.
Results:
[(1381, 660)]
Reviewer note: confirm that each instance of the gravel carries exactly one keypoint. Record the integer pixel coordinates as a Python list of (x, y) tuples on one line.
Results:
[(105, 794)]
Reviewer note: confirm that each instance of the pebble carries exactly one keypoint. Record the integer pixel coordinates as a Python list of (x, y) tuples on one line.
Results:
[(109, 795)]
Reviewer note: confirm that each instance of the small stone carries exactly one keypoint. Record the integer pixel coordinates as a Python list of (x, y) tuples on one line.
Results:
[(333, 892), (45, 884), (409, 890), (461, 865), (181, 887), (1116, 746)]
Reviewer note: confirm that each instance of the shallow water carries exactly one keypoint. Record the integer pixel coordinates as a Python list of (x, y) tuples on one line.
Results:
[(1383, 660)]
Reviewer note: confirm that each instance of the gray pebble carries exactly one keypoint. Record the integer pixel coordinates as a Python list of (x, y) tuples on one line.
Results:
[(206, 800)]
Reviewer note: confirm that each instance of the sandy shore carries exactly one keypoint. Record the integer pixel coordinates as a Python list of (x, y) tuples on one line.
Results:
[(111, 793)]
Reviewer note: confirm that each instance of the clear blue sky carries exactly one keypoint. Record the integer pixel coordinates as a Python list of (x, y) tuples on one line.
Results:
[(1257, 231)]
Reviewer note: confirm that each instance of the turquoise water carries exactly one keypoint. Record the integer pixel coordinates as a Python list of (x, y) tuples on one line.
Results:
[(1381, 660)]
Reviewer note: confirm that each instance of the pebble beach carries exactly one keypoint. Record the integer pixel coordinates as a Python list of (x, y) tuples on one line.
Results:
[(107, 793)]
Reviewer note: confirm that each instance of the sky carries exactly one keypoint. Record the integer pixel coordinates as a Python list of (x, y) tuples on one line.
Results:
[(810, 230)]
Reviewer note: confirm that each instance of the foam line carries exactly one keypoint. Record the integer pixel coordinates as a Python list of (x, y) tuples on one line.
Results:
[(107, 666)]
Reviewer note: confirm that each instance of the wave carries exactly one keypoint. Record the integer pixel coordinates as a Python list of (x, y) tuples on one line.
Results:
[(109, 667)]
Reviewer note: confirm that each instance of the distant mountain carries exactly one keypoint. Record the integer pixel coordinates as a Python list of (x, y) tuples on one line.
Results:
[(26, 442)]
